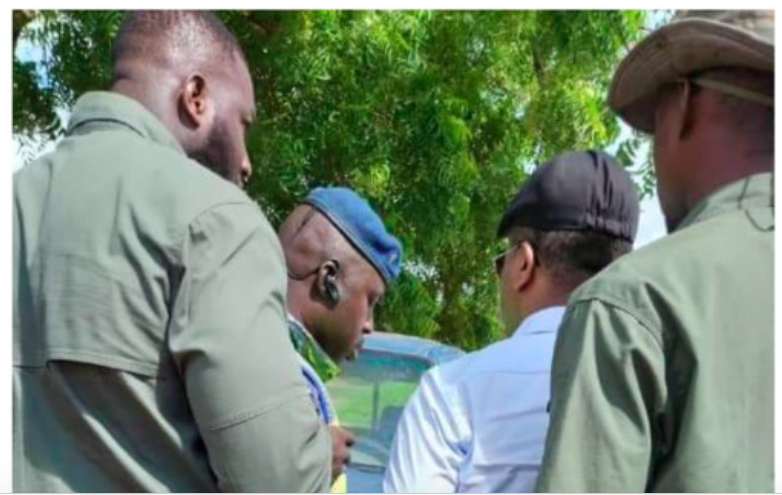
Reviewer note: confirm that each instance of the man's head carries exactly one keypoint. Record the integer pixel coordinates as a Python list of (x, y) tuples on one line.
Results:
[(704, 86), (573, 217), (189, 71), (340, 259)]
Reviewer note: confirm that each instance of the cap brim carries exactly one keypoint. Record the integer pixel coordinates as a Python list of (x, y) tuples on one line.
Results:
[(677, 50)]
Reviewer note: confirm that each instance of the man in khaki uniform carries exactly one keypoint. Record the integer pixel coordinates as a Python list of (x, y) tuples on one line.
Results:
[(663, 374), (151, 351)]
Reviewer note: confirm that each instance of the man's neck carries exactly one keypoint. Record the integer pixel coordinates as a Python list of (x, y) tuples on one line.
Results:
[(547, 299), (296, 300), (537, 311), (717, 172), (154, 102)]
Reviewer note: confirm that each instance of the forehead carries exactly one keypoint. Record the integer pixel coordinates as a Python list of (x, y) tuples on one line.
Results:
[(243, 71), (240, 85), (368, 276)]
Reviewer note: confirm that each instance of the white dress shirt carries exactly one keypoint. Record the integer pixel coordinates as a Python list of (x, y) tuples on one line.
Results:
[(478, 424)]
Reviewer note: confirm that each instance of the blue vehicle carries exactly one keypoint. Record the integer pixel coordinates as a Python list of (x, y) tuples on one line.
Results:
[(371, 393)]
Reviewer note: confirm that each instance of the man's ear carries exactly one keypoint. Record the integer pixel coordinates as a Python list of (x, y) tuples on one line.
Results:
[(683, 108), (327, 285), (526, 268), (195, 102)]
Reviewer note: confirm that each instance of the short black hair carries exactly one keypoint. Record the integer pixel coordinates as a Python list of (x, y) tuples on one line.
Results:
[(572, 256), (144, 34)]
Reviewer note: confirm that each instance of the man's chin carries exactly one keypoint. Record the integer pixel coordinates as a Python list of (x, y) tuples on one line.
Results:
[(353, 354)]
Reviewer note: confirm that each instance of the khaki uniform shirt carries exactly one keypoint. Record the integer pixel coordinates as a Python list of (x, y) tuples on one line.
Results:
[(663, 375), (151, 351)]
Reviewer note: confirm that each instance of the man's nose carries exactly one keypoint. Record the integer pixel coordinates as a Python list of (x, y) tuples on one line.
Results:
[(246, 169), (369, 327)]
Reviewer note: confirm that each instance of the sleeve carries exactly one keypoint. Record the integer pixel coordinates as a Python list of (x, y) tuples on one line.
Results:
[(608, 389), (427, 449), (229, 340)]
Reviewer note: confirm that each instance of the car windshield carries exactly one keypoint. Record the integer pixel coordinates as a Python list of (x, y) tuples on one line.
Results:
[(369, 397)]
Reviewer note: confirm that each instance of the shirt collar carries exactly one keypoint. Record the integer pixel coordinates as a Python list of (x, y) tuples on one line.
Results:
[(546, 320), (750, 192), (309, 349), (113, 109)]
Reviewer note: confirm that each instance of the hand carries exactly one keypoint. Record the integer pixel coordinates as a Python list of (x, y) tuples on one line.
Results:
[(341, 442)]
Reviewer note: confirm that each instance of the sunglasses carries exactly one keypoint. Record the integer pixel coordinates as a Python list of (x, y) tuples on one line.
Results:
[(499, 261)]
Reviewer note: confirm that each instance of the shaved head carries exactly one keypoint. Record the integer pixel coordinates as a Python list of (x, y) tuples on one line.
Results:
[(309, 238), (163, 38), (189, 71), (319, 255)]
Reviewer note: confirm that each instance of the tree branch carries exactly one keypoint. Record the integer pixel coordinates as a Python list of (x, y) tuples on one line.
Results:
[(20, 20)]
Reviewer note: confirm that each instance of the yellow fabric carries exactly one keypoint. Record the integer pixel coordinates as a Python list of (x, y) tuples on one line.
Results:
[(341, 483)]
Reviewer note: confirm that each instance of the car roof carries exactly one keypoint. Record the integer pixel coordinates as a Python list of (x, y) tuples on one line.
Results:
[(408, 345)]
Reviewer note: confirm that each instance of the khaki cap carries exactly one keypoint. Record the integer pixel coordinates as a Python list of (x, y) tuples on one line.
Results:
[(692, 42)]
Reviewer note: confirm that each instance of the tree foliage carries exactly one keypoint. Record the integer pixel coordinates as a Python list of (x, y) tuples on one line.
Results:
[(436, 117)]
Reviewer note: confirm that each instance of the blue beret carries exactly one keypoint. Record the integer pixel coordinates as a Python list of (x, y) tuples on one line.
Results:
[(359, 223)]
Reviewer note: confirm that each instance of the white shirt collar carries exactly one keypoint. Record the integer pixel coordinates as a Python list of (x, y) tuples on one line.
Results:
[(542, 321)]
